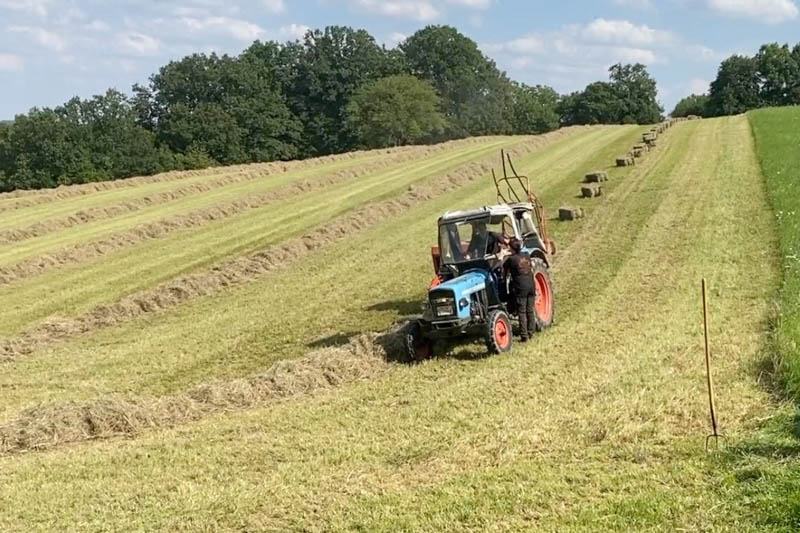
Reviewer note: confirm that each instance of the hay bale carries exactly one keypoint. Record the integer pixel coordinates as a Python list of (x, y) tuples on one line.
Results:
[(651, 143), (637, 151), (569, 213), (625, 161), (596, 177), (591, 190)]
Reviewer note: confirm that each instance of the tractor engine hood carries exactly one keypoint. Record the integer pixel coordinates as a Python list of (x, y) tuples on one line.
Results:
[(451, 299)]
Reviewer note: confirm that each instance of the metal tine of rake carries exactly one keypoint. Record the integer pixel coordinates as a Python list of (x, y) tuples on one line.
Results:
[(711, 404)]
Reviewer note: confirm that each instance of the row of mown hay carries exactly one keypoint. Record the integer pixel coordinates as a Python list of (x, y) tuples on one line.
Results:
[(27, 198), (365, 357), (244, 174), (245, 269), (591, 187)]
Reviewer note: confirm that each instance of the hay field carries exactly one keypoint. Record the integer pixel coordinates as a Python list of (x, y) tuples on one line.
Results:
[(215, 351)]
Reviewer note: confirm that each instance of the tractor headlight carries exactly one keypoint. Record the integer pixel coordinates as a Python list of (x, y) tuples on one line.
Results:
[(443, 307), (462, 304)]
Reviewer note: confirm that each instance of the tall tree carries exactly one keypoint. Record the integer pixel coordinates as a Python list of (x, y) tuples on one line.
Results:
[(736, 88), (695, 104), (395, 110), (476, 96), (535, 109), (636, 94), (778, 72), (328, 67), (597, 104)]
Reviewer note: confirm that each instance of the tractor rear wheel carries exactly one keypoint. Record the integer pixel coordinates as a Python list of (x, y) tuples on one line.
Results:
[(543, 307), (498, 332), (418, 346)]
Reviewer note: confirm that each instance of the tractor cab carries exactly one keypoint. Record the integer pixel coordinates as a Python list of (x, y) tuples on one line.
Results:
[(470, 294)]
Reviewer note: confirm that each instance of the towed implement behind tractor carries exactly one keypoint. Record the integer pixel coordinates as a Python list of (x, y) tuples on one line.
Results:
[(470, 295)]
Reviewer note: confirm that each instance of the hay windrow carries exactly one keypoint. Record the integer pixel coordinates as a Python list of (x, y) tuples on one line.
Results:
[(364, 357), (245, 174), (251, 267), (27, 198)]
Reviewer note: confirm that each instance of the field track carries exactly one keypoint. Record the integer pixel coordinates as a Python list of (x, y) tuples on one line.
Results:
[(598, 423)]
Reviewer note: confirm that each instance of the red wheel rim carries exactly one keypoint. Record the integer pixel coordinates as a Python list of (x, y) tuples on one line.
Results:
[(501, 334), (544, 299)]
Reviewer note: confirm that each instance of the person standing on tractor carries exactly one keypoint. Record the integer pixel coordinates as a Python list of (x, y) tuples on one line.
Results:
[(520, 267)]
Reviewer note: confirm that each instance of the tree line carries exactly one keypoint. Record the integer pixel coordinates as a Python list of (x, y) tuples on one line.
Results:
[(334, 91), (769, 78)]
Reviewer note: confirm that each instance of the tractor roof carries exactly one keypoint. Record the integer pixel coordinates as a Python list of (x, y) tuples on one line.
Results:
[(487, 210)]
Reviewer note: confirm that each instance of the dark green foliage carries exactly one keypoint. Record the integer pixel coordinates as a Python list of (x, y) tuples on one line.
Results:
[(779, 75), (629, 97), (736, 88), (476, 96), (79, 142), (770, 78), (636, 94), (326, 70), (395, 110), (695, 104), (535, 109)]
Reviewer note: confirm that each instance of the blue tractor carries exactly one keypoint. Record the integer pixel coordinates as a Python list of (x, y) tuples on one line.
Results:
[(470, 296)]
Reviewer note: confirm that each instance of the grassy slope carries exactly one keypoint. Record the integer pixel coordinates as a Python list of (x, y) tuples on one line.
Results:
[(281, 315), (763, 469), (598, 424), (77, 288)]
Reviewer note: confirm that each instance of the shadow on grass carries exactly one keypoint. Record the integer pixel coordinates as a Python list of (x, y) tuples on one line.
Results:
[(401, 307)]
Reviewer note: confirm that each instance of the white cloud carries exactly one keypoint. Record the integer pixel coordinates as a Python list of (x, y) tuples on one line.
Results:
[(770, 11), (637, 4), (624, 32), (38, 7), (586, 48), (138, 43), (396, 38), (474, 4), (697, 86), (275, 6), (240, 30), (293, 31), (703, 54), (43, 37), (414, 9), (97, 25), (10, 63)]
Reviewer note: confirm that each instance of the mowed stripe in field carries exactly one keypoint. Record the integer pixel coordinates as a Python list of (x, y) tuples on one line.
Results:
[(38, 255), (249, 328), (33, 199), (599, 422), (238, 182), (73, 290)]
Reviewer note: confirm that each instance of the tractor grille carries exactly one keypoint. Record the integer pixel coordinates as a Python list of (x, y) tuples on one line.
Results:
[(443, 304)]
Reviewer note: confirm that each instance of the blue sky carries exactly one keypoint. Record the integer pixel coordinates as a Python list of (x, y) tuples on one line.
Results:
[(51, 50)]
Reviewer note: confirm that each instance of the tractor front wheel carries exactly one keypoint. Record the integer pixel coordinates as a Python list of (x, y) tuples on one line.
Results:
[(543, 307), (418, 346), (498, 332)]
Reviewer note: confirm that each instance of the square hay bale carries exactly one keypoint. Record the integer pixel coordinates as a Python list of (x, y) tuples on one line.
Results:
[(637, 151), (591, 190), (647, 136), (596, 177), (569, 213), (625, 161), (652, 143)]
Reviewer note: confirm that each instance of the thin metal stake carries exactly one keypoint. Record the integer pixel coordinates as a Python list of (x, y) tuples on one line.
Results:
[(715, 435)]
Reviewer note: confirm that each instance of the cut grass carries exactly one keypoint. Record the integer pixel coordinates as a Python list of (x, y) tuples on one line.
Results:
[(598, 424), (248, 328)]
